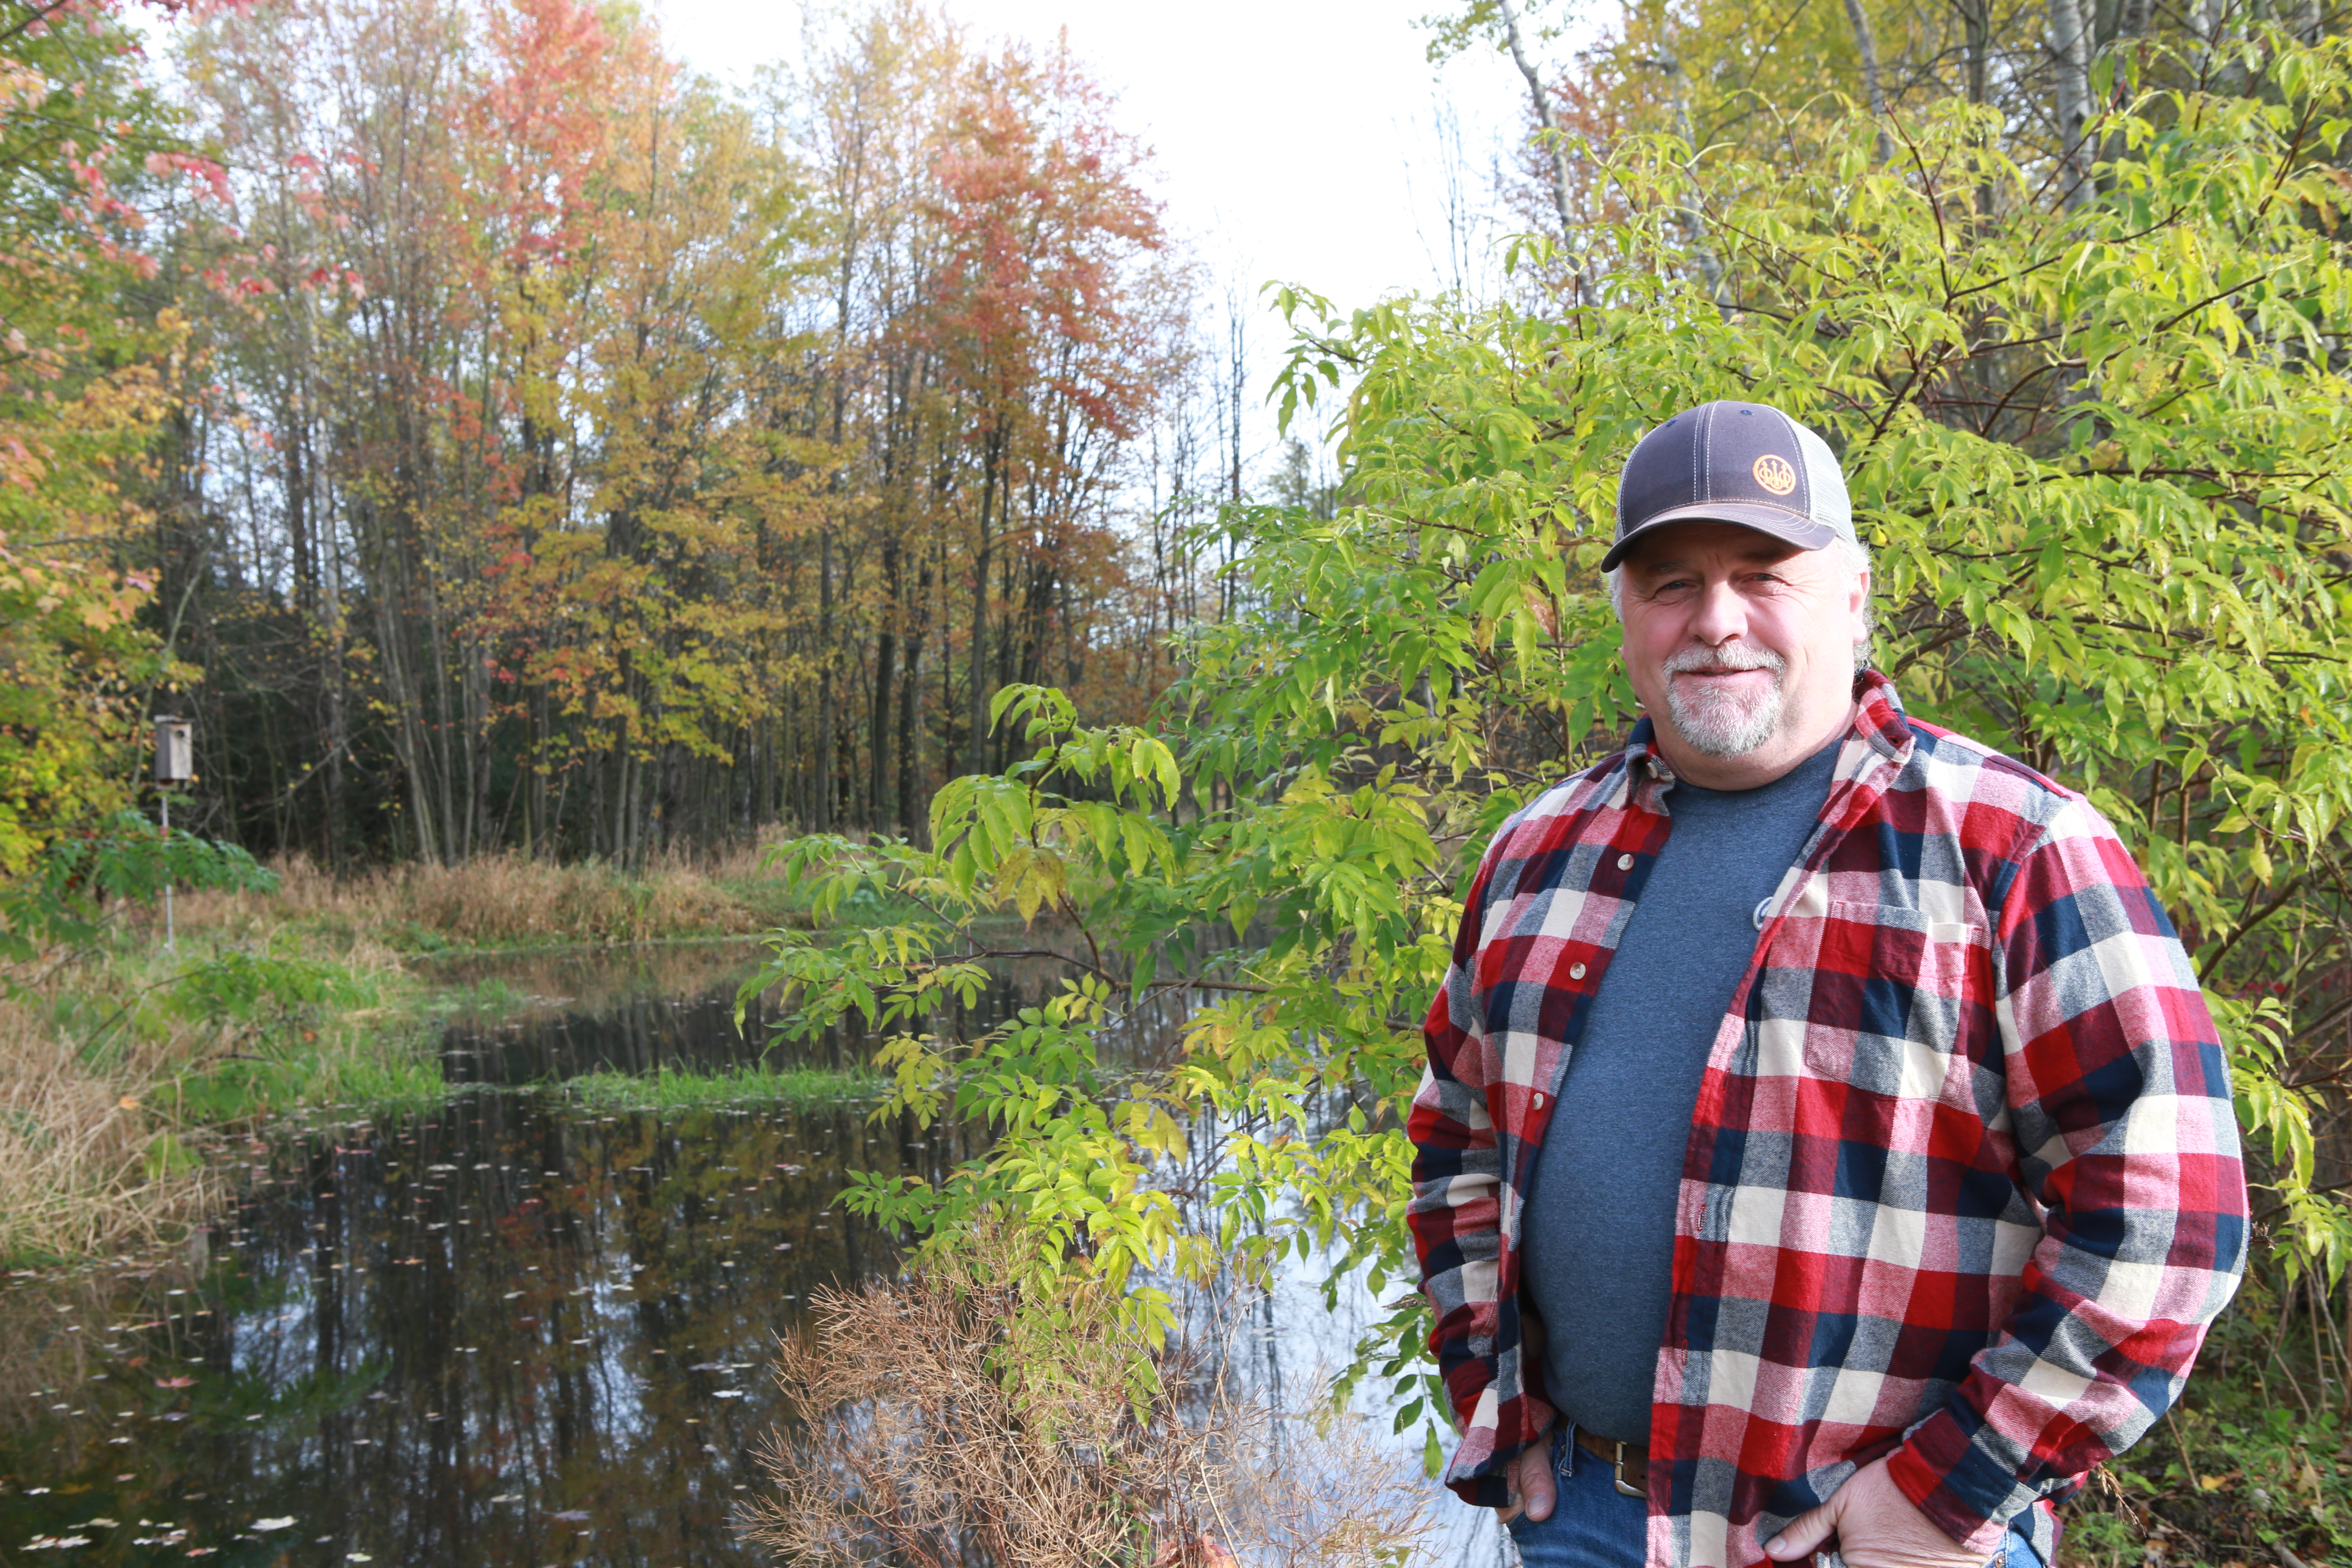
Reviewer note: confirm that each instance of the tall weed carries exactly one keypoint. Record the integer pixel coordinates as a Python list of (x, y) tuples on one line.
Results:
[(85, 1164), (499, 900)]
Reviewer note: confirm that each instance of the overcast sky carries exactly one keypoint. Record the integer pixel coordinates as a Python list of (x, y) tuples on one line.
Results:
[(1296, 139)]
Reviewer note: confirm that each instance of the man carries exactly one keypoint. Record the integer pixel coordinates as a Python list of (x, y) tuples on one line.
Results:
[(1824, 1145)]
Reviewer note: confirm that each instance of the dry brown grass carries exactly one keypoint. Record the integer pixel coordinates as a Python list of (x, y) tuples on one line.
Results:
[(924, 1434), (84, 1168), (499, 900)]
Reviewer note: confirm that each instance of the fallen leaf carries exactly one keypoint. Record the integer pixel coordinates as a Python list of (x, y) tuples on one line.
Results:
[(570, 1515), (176, 1383), (273, 1523)]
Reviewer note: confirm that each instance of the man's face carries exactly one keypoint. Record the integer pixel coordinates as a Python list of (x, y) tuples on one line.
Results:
[(1740, 648)]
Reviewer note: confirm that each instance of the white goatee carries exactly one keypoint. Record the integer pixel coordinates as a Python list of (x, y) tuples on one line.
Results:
[(1715, 720)]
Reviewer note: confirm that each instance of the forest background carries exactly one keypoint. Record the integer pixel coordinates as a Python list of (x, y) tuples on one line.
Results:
[(503, 441), (545, 449)]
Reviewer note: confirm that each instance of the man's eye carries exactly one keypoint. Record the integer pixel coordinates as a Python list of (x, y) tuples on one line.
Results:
[(1674, 591)]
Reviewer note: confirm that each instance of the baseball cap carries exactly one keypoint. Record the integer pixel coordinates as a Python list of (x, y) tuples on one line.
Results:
[(1745, 463)]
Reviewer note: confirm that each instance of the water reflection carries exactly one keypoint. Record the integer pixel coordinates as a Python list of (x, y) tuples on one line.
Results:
[(637, 1031), (498, 1334)]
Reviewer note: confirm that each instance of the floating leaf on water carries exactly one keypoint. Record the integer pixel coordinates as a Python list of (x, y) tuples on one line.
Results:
[(570, 1515), (286, 1524), (176, 1383), (508, 1497), (726, 1394)]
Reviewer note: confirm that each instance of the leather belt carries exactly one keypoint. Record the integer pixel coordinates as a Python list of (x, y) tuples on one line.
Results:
[(1629, 1462)]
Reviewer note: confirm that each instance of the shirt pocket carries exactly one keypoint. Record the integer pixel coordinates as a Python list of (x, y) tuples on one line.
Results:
[(1894, 994)]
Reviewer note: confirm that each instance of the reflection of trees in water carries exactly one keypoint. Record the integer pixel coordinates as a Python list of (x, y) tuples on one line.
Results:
[(404, 1314)]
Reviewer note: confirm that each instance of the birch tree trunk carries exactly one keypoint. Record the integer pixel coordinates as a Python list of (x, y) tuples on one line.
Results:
[(1866, 47), (2070, 50), (1693, 220), (1563, 198)]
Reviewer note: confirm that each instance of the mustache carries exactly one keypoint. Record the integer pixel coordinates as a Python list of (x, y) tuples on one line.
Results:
[(1709, 660)]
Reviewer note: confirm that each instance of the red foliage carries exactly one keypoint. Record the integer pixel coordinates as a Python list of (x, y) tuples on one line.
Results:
[(1039, 200), (539, 126)]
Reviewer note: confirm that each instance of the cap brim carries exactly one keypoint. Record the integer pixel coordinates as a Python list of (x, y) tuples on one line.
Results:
[(1779, 522)]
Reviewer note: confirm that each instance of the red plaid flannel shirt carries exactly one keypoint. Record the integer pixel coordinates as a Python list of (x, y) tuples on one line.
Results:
[(1963, 1179)]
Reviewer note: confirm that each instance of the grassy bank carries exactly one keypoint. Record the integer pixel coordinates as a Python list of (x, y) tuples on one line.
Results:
[(119, 1065), (86, 1163), (117, 1060)]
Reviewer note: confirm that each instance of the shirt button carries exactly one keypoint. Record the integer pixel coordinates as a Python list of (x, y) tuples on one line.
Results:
[(1624, 862), (1575, 972), (1539, 1101)]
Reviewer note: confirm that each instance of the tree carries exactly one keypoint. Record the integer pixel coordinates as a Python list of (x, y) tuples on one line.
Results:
[(1033, 320), (88, 156)]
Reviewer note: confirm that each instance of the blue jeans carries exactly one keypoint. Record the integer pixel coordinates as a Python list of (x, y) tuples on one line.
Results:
[(1591, 1526)]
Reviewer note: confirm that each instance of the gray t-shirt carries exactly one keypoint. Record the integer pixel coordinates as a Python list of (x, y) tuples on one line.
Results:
[(1598, 1234)]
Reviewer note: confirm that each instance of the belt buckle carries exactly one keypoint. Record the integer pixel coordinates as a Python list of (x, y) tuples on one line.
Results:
[(1617, 1472)]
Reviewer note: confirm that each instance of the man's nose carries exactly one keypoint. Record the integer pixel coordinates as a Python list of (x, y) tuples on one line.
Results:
[(1720, 616)]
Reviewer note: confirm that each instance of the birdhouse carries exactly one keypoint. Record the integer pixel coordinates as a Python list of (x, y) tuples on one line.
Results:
[(175, 751)]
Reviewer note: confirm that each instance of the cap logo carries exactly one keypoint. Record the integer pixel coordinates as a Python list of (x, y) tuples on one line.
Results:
[(1775, 474)]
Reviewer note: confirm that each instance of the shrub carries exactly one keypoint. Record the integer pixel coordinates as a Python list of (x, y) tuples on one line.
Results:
[(978, 1408)]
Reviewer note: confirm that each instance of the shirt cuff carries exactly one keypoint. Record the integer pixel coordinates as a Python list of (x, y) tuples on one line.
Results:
[(1969, 1495)]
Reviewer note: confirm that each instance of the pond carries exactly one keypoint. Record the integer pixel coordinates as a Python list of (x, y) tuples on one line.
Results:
[(514, 1330)]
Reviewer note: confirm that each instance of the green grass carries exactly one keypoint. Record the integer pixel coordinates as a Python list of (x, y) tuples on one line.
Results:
[(749, 1085), (385, 1072)]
